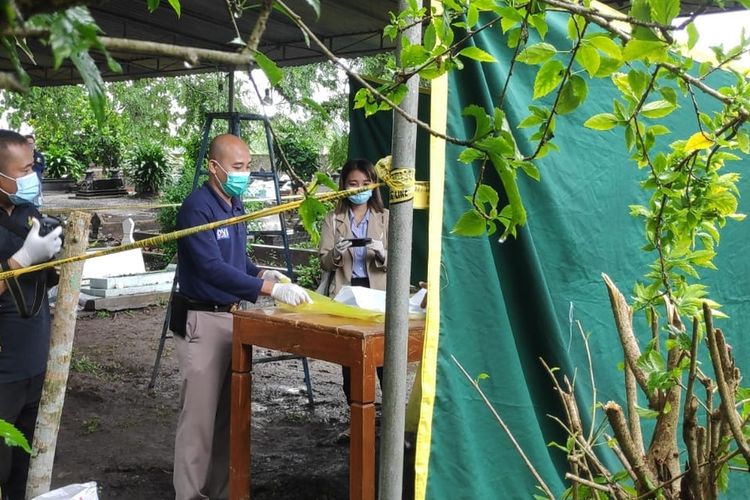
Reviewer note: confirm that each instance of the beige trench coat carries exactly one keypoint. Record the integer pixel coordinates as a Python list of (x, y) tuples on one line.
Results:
[(337, 226)]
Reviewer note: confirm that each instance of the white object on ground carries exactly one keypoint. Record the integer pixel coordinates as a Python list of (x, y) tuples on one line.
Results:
[(116, 264), (85, 491)]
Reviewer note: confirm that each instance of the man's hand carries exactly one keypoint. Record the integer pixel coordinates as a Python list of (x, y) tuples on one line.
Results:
[(378, 249), (291, 294), (341, 246), (275, 276), (37, 248)]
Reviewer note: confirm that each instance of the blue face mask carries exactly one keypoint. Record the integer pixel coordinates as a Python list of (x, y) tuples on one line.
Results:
[(236, 183), (361, 198), (27, 189)]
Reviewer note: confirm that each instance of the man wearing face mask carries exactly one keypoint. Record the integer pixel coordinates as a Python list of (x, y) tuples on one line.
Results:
[(215, 273), (24, 309)]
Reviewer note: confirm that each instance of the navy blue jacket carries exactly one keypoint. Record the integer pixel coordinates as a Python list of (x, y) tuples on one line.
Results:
[(213, 265), (24, 343)]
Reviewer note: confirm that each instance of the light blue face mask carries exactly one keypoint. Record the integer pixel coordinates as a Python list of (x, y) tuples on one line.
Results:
[(27, 189), (236, 183), (361, 198)]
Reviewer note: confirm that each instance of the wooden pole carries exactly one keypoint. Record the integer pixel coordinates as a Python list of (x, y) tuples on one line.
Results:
[(58, 362)]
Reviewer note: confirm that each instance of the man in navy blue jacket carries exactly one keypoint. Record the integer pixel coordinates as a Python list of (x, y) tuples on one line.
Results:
[(215, 274), (24, 309)]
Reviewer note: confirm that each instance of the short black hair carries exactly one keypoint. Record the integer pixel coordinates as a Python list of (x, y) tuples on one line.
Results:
[(10, 138), (30, 136)]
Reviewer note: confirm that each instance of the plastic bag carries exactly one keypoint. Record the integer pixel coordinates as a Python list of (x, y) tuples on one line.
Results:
[(325, 305), (85, 491)]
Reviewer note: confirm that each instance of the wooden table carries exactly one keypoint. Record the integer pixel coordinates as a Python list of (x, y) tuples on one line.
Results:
[(353, 343)]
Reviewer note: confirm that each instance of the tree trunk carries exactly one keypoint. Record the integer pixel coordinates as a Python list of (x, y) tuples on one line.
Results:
[(58, 364)]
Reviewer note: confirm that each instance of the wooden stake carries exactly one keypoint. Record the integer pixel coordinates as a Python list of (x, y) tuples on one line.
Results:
[(58, 363)]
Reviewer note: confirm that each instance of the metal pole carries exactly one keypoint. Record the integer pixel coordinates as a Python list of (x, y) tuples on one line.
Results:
[(397, 296), (230, 90)]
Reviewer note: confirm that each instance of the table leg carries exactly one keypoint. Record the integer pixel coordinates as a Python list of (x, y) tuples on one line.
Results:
[(362, 433), (239, 430)]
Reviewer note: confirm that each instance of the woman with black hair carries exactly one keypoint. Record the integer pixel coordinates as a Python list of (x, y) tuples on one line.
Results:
[(354, 239)]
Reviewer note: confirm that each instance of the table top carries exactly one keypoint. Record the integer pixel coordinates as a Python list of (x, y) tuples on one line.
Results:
[(308, 321)]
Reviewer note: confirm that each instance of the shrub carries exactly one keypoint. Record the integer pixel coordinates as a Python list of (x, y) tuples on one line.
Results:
[(309, 276), (62, 164), (148, 167), (301, 154)]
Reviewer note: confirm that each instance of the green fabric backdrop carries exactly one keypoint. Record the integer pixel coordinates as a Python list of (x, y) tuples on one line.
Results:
[(505, 305)]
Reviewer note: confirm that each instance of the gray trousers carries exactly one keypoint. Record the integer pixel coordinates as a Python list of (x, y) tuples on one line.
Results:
[(201, 451)]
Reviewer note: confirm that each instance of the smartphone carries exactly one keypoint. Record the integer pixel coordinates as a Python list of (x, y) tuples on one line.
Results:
[(359, 242)]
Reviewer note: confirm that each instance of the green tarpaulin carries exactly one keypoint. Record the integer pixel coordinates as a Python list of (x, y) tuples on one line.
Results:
[(505, 305)]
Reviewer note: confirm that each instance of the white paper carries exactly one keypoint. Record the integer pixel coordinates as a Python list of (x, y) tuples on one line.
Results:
[(85, 491), (364, 298)]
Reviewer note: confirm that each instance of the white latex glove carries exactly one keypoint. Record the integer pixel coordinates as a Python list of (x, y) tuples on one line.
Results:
[(341, 247), (37, 248), (275, 276), (377, 247), (291, 294)]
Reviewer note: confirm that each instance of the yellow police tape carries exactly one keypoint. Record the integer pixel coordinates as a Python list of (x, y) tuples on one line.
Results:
[(399, 180), (422, 196), (181, 233)]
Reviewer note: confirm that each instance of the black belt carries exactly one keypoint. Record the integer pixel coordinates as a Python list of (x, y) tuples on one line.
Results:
[(197, 305)]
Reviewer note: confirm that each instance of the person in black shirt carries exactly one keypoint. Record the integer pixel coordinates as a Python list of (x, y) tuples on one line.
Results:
[(24, 332)]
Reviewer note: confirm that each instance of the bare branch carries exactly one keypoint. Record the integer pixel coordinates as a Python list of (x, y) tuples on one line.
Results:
[(727, 396), (517, 446), (646, 479), (260, 27), (624, 323)]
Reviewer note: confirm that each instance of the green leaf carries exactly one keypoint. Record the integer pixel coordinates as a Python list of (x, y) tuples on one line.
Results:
[(654, 51), (470, 224), (272, 71), (575, 26), (646, 413), (469, 155), (13, 437), (483, 121), (487, 194), (92, 79), (663, 11), (548, 78), (602, 121), (606, 45), (315, 4), (530, 121), (175, 6), (310, 211), (325, 179), (477, 54), (413, 55), (537, 53), (530, 169), (693, 36), (153, 4), (589, 58), (472, 16), (574, 92), (657, 109)]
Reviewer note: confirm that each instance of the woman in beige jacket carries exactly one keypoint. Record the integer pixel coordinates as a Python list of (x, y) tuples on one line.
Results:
[(359, 216)]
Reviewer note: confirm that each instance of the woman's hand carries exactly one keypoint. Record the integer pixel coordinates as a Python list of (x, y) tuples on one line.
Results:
[(341, 246), (377, 248)]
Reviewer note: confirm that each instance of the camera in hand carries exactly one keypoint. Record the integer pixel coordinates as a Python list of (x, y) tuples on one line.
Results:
[(47, 224), (359, 242)]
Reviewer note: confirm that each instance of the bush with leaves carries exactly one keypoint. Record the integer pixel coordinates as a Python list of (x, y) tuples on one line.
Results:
[(308, 276), (301, 154), (62, 164), (148, 167)]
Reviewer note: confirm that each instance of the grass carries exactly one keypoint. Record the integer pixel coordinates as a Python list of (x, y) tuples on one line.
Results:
[(84, 364)]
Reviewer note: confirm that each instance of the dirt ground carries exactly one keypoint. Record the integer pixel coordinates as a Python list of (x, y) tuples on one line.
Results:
[(117, 433)]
